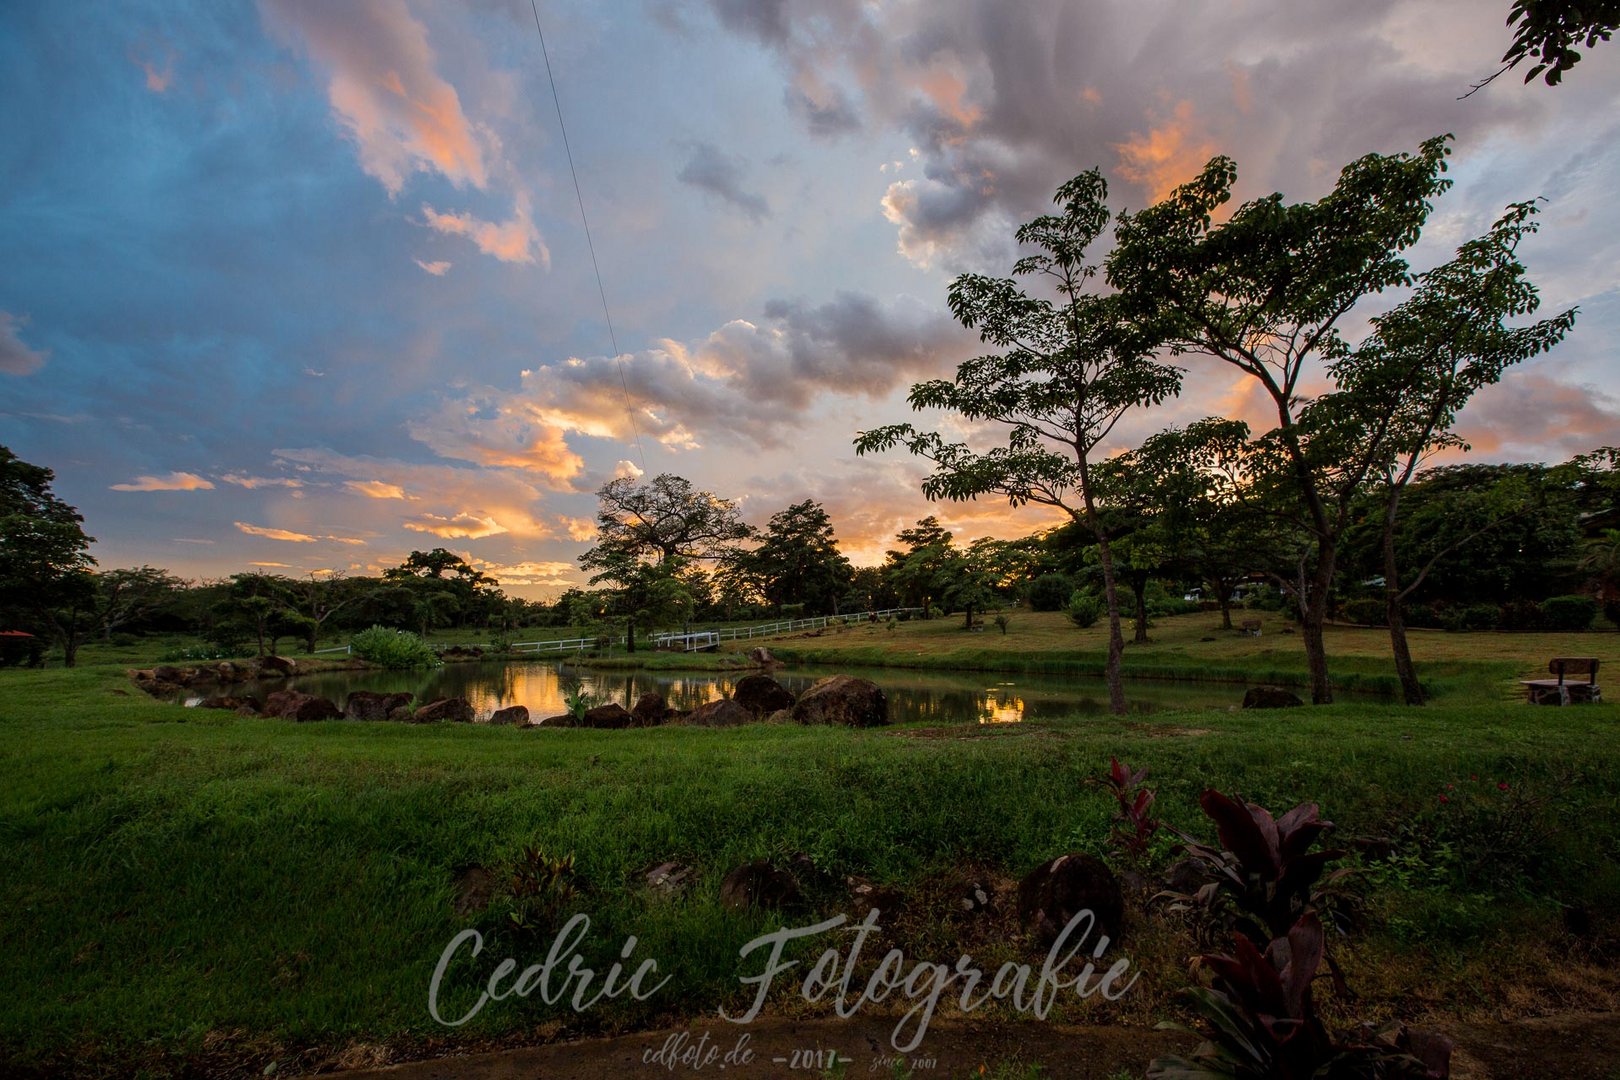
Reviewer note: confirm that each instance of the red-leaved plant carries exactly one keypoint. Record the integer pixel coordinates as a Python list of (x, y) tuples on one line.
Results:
[(1262, 1023), (1134, 825)]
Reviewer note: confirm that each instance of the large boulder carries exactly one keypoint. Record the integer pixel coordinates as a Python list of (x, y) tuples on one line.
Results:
[(278, 665), (512, 714), (559, 721), (759, 654), (370, 705), (1055, 892), (843, 699), (226, 701), (650, 710), (456, 710), (761, 695), (611, 715), (1270, 697), (758, 884), (297, 705), (722, 713)]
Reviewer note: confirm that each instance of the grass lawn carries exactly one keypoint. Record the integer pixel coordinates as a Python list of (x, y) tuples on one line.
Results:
[(184, 887)]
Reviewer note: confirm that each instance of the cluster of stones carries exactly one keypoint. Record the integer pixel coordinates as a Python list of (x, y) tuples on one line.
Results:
[(840, 699)]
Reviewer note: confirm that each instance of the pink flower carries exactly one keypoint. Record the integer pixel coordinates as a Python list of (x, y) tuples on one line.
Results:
[(1502, 785), (1473, 776), (1444, 799), (1451, 787)]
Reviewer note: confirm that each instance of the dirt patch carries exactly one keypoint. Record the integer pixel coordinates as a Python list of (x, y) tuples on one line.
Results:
[(474, 888)]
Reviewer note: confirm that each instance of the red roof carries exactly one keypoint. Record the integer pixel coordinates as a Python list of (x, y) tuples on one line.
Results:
[(15, 633)]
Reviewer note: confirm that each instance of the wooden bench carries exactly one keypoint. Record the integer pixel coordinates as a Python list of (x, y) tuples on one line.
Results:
[(1250, 627), (1562, 690)]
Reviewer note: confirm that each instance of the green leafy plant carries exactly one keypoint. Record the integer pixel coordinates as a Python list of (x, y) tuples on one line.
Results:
[(392, 648), (1002, 622), (1084, 610), (540, 887), (576, 699)]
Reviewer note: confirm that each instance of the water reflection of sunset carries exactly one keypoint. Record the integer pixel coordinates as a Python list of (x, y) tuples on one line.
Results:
[(1001, 705)]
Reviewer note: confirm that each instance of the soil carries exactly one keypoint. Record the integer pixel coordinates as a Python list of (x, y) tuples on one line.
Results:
[(1572, 1046)]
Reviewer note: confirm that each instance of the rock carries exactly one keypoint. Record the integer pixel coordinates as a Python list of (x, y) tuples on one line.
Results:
[(668, 878), (780, 716), (462, 652), (402, 714), (225, 701), (761, 695), (297, 705), (475, 886), (248, 710), (512, 714), (1186, 876), (758, 884), (456, 710), (722, 713), (370, 705), (1053, 893), (843, 699), (169, 674), (650, 710), (278, 665), (227, 672), (759, 654), (559, 721), (865, 895), (612, 715), (1270, 697), (976, 899)]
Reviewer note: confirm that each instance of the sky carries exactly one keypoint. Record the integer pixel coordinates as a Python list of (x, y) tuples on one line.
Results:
[(303, 286)]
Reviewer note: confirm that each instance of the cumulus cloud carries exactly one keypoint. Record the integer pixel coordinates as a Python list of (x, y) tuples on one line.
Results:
[(461, 526), (500, 431), (999, 117), (292, 537), (384, 89), (580, 529), (530, 574), (746, 383), (16, 358), (175, 481), (1530, 413), (711, 170), (513, 241)]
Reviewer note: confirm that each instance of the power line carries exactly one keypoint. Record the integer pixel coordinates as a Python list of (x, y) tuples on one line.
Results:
[(618, 359)]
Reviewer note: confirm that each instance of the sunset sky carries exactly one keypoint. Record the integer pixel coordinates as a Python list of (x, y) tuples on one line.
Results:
[(304, 286)]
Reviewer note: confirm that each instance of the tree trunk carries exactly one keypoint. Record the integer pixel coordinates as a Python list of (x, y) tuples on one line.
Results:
[(630, 635), (968, 622), (310, 637), (1411, 689), (1223, 596), (1313, 607), (1139, 591), (1116, 639)]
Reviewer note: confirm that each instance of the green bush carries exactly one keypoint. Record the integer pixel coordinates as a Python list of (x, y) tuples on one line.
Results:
[(1366, 612), (1521, 616), (1481, 616), (1049, 592), (1569, 614), (1084, 610), (392, 648)]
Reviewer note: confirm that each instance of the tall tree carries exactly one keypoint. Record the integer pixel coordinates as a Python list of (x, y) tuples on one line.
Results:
[(915, 570), (1264, 292), (1404, 384), (798, 561), (125, 597), (667, 518), (1069, 369), (45, 563)]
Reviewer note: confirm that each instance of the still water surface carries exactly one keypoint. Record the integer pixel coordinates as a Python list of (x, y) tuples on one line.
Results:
[(914, 696)]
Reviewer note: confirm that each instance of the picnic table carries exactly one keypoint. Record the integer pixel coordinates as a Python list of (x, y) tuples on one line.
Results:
[(1563, 690)]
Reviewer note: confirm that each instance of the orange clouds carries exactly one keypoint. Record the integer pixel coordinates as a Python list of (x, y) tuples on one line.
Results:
[(252, 482), (514, 241), (1168, 154), (462, 526), (1529, 414), (511, 434), (292, 537), (375, 489), (385, 90), (175, 481)]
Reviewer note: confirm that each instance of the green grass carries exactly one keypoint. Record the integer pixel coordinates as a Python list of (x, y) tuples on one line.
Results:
[(170, 874)]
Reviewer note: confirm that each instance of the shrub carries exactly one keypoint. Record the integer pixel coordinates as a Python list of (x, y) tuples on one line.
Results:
[(1365, 612), (1481, 616), (1084, 610), (1049, 592), (392, 648), (1002, 622), (1568, 614), (1521, 616)]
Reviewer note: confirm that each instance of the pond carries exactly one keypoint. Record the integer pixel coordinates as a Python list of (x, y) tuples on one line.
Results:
[(914, 696)]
